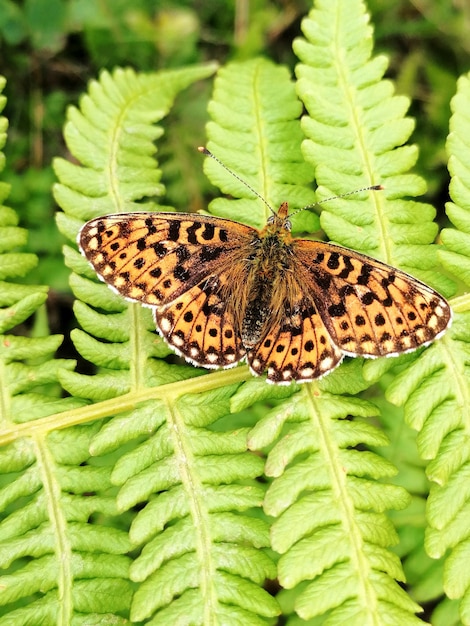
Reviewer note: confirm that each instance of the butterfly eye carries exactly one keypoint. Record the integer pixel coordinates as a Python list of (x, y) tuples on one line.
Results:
[(281, 223)]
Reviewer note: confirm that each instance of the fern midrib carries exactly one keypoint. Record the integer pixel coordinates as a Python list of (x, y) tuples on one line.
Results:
[(261, 138), (199, 514), (138, 351), (345, 85), (114, 145), (63, 549), (338, 480), (454, 365), (121, 404)]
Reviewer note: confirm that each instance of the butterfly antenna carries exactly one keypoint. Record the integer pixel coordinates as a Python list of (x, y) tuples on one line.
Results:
[(258, 195), (341, 195)]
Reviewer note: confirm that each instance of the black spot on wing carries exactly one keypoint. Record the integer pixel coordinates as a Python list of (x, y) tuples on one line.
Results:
[(333, 261), (210, 253), (181, 273), (208, 232), (337, 310), (159, 249), (191, 233), (151, 228), (174, 230)]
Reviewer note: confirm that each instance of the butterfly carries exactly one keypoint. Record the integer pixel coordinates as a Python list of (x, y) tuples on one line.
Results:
[(222, 292)]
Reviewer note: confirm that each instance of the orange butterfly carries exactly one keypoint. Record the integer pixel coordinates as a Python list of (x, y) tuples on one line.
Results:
[(222, 292)]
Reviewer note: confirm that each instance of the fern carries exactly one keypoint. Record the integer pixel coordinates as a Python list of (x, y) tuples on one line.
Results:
[(45, 539), (201, 556), (254, 130), (330, 526), (149, 458), (320, 500), (444, 434), (455, 256)]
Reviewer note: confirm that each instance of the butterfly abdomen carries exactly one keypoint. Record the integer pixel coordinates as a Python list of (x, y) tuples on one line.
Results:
[(270, 262), (257, 311)]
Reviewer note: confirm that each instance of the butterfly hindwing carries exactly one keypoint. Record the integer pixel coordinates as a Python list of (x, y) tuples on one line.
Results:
[(200, 325), (300, 348)]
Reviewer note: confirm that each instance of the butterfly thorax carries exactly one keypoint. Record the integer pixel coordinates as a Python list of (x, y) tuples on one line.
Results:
[(271, 259)]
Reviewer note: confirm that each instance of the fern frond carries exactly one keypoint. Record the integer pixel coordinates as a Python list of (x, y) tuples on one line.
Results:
[(49, 552), (456, 255), (201, 547), (113, 136), (355, 129), (435, 390), (308, 464), (203, 551), (255, 131), (330, 528), (118, 174)]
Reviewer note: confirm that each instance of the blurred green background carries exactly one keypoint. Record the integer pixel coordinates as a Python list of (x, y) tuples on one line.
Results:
[(52, 48)]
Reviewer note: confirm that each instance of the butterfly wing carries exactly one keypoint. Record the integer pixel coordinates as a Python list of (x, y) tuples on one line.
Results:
[(200, 324), (154, 258), (368, 307), (295, 347), (343, 303), (194, 272), (189, 269)]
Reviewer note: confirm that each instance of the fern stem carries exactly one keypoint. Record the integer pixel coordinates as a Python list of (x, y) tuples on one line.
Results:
[(193, 488), (338, 481), (121, 404), (59, 526)]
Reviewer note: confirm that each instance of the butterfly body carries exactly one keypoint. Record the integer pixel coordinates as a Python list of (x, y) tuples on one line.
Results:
[(266, 268), (222, 292)]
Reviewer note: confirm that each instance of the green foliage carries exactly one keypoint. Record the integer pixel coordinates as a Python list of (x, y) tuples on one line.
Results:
[(137, 498), (455, 256), (46, 478), (263, 126)]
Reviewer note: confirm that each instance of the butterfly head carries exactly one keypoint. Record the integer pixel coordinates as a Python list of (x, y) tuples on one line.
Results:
[(280, 220)]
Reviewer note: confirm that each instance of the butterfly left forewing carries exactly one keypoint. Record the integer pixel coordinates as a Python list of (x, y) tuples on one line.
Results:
[(368, 307), (154, 257)]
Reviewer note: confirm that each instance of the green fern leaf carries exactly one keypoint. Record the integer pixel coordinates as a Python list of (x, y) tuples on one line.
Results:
[(457, 240), (57, 567), (435, 392), (390, 230), (169, 445), (254, 130), (203, 475), (319, 500), (200, 532), (355, 129)]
